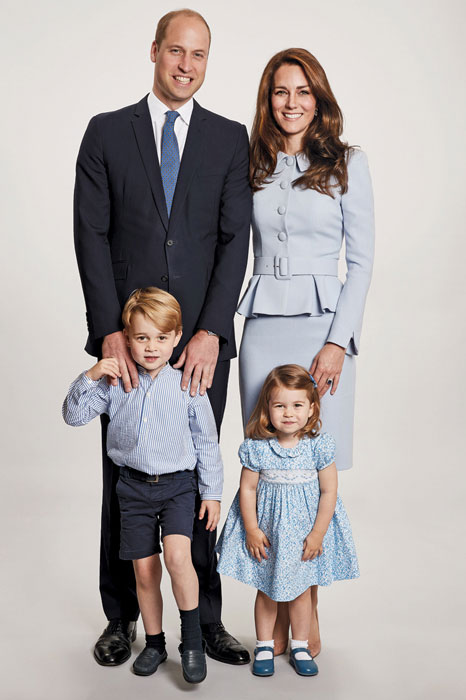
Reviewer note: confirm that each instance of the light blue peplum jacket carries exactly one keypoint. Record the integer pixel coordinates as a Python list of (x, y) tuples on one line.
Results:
[(297, 238)]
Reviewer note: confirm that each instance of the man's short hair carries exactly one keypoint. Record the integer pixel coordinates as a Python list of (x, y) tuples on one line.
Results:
[(164, 21), (158, 306)]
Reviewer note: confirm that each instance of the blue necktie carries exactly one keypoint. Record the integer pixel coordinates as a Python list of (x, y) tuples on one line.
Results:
[(170, 158)]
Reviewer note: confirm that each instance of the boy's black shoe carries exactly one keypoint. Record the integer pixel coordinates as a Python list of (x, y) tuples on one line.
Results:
[(221, 646), (148, 661), (114, 644), (193, 664)]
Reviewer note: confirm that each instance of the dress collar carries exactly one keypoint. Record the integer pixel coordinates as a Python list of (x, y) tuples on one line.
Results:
[(301, 161), (288, 451)]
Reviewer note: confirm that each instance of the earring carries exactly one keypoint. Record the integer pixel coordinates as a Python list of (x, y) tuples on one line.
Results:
[(316, 112)]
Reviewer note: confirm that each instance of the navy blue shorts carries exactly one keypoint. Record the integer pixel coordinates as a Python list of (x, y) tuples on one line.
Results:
[(147, 507)]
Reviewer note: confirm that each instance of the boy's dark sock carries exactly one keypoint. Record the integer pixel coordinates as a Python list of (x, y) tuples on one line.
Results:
[(191, 635), (156, 641)]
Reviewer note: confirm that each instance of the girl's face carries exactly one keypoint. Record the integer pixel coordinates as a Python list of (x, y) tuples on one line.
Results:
[(289, 410)]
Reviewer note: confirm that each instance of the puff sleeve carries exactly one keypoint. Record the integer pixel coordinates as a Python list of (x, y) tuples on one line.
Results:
[(247, 456), (324, 451)]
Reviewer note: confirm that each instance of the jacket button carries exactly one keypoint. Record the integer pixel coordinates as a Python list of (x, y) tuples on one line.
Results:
[(282, 236), (281, 210), (164, 278), (290, 160), (169, 242), (283, 185)]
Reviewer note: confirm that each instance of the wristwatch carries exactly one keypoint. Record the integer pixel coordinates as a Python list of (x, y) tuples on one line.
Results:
[(210, 332)]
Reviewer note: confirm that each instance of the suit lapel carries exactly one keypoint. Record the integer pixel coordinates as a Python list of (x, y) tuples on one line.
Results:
[(144, 133), (190, 160)]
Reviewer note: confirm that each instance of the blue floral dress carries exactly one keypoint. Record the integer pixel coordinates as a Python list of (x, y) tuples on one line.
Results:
[(287, 501)]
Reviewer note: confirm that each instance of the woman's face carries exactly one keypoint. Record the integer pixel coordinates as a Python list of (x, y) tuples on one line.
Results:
[(293, 104)]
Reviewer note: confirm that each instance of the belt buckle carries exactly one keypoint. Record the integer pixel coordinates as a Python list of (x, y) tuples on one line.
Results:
[(154, 479), (281, 267)]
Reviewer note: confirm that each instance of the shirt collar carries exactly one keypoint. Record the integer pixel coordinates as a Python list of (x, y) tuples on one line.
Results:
[(158, 109), (145, 372)]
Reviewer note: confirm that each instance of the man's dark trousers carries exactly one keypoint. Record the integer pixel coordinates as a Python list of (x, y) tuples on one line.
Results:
[(125, 240)]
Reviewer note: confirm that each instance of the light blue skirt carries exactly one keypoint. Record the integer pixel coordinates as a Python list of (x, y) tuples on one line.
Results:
[(269, 341), (286, 513)]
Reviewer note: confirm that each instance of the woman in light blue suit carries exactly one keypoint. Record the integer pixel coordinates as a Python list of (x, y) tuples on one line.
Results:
[(312, 192)]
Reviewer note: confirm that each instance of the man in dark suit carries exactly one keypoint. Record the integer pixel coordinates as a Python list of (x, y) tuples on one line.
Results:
[(162, 199)]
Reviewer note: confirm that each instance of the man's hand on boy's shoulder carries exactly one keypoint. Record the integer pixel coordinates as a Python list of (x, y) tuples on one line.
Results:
[(107, 367), (212, 508), (115, 345), (199, 358)]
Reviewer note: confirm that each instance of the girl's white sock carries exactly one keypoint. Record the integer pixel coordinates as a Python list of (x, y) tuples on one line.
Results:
[(264, 655), (301, 644)]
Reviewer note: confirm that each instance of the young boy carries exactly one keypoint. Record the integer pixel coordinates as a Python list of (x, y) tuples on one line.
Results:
[(159, 436)]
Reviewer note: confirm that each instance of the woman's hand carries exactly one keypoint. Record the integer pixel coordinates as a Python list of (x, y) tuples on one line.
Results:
[(328, 364), (256, 542), (312, 547)]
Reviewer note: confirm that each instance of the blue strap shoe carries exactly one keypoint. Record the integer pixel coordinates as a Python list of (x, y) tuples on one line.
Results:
[(265, 667), (304, 667)]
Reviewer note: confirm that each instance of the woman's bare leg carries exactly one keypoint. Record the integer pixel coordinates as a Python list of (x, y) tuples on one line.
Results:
[(314, 633), (282, 629)]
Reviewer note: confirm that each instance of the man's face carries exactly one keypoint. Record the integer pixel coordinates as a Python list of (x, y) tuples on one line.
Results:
[(180, 61)]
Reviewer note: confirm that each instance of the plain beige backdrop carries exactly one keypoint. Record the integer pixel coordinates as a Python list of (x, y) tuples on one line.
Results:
[(397, 69)]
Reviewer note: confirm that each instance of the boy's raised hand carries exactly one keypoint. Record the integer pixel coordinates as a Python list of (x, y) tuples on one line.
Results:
[(213, 513), (312, 546), (256, 542), (107, 367)]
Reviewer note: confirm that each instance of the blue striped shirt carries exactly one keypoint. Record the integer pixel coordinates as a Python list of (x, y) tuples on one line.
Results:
[(156, 427)]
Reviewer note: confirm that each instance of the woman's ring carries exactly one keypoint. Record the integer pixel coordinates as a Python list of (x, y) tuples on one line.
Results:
[(329, 381)]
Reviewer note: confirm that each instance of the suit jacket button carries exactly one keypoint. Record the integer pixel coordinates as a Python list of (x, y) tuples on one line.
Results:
[(164, 278), (281, 210), (169, 242)]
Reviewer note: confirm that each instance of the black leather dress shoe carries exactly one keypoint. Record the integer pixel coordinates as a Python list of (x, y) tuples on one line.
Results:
[(221, 646), (148, 661), (193, 664), (114, 644)]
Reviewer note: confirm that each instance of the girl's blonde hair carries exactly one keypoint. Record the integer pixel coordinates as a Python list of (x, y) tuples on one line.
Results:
[(259, 426), (158, 306)]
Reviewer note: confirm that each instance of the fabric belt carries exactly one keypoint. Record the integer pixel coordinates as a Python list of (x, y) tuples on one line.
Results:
[(154, 478), (284, 268)]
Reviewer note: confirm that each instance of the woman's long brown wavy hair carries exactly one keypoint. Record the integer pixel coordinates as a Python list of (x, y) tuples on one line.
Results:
[(327, 154), (259, 426)]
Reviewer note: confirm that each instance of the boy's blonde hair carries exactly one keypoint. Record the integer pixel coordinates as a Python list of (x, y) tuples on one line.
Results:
[(158, 306)]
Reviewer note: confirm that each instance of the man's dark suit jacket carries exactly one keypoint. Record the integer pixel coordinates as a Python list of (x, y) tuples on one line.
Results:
[(124, 239)]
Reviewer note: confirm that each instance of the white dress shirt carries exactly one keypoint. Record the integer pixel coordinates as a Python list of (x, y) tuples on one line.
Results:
[(158, 111)]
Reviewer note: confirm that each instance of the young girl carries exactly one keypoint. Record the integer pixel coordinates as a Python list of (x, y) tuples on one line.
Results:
[(287, 529)]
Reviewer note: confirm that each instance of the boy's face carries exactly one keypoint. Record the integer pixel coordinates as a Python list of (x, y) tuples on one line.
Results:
[(150, 347)]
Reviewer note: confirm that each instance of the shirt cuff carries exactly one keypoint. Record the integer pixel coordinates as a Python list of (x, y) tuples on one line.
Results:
[(210, 496), (87, 380)]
